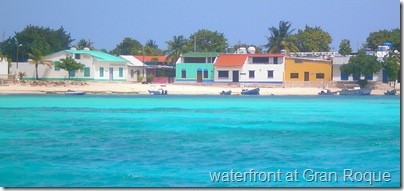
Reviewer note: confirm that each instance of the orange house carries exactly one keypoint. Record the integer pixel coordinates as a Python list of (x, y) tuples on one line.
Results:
[(303, 69)]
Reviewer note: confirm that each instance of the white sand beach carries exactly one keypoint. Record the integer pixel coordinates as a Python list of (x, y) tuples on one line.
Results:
[(173, 89)]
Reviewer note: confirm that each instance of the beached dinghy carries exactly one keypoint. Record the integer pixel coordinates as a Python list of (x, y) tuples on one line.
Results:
[(225, 92), (327, 92), (72, 92), (255, 91), (390, 92)]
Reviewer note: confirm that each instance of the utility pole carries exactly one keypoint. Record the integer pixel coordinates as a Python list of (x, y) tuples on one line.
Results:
[(18, 45), (195, 42), (144, 66)]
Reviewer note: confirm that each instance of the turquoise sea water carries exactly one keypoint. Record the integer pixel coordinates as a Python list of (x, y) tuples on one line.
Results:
[(179, 141)]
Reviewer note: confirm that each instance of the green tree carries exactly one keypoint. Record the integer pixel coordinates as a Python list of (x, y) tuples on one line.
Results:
[(312, 39), (376, 39), (37, 58), (70, 65), (391, 65), (104, 50), (83, 43), (361, 65), (151, 48), (207, 41), (34, 37), (128, 46), (281, 38), (345, 47), (176, 47)]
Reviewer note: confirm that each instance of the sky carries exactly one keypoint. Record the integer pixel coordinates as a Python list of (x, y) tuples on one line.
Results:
[(108, 22)]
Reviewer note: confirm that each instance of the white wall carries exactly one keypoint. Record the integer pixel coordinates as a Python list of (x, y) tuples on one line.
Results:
[(3, 66), (135, 74), (261, 73), (336, 75), (225, 80), (45, 72)]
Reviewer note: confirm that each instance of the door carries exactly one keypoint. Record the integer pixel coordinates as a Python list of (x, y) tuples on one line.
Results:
[(111, 74), (199, 76), (306, 76), (235, 76), (384, 77)]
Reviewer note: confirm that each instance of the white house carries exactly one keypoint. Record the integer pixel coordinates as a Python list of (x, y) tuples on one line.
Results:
[(249, 68), (337, 75), (135, 67), (3, 67), (98, 66)]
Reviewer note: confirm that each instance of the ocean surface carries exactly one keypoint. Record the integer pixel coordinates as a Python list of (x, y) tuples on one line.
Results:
[(199, 141)]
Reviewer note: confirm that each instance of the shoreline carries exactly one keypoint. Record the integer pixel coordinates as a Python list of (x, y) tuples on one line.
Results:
[(125, 88)]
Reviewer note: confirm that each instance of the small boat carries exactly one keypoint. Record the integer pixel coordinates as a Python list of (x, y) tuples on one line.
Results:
[(327, 92), (157, 91), (255, 91), (72, 92), (355, 90), (225, 92), (390, 92)]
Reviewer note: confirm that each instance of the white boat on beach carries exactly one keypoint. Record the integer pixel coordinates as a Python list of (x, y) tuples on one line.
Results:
[(157, 90), (355, 90), (72, 92)]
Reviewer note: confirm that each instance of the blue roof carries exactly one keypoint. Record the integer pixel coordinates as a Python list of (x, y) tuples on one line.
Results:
[(99, 56)]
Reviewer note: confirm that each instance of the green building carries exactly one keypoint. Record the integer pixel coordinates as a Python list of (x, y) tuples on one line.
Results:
[(195, 67)]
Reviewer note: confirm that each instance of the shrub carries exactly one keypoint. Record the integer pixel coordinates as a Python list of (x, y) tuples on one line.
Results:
[(149, 79), (21, 75), (362, 83), (139, 78)]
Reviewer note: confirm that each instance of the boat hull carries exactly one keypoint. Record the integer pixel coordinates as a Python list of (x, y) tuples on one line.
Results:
[(365, 91), (255, 91), (75, 93), (225, 92), (157, 92)]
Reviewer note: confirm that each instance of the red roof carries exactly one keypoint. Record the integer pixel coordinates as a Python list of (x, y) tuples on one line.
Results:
[(149, 58), (235, 60)]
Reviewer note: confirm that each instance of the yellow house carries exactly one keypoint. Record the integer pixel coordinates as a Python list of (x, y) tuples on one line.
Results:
[(303, 69)]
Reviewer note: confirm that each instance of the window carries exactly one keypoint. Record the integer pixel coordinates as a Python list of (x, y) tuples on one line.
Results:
[(56, 66), (86, 71), (76, 56), (294, 75), (184, 73), (223, 74), (121, 72), (275, 60), (270, 74), (101, 71), (195, 60), (251, 74), (344, 76), (260, 60), (320, 75), (356, 77), (72, 73), (132, 73), (205, 73)]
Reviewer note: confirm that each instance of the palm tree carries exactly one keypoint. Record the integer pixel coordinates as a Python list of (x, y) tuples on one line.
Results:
[(37, 58), (281, 38), (82, 43), (176, 47), (152, 44)]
